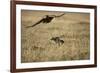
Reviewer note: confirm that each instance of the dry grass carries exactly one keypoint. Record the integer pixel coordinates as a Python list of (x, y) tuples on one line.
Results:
[(36, 45)]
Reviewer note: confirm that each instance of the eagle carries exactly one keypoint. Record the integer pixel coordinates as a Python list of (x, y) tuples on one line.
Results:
[(46, 19)]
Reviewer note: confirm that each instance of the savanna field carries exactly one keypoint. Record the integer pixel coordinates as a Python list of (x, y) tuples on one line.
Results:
[(72, 28)]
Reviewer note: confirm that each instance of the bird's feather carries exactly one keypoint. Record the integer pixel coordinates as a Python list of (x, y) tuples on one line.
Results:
[(58, 15), (35, 23)]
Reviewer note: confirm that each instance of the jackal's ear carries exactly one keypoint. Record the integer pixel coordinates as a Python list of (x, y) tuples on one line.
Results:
[(51, 39)]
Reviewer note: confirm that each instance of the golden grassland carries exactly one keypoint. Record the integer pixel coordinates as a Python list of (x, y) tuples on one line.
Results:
[(36, 46)]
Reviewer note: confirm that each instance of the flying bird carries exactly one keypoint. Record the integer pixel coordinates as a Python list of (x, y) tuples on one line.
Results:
[(46, 19)]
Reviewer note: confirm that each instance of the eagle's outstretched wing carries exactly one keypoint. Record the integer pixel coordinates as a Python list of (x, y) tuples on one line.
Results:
[(58, 15), (36, 23)]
